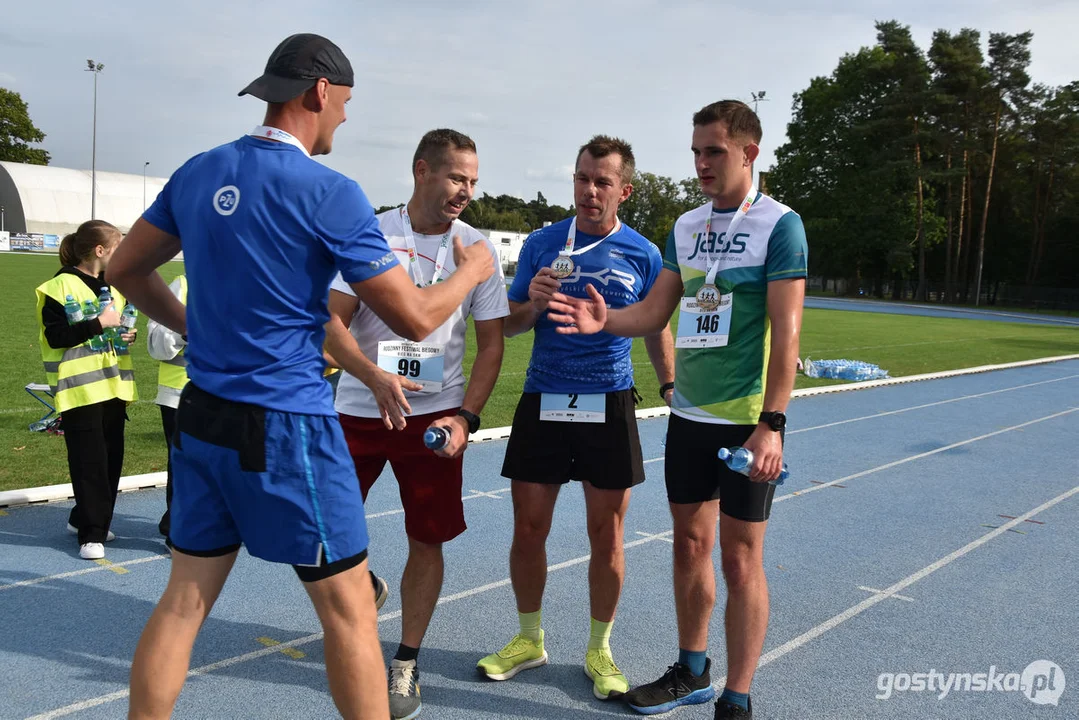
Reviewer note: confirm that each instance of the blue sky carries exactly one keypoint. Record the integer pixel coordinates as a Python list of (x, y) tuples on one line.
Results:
[(528, 81)]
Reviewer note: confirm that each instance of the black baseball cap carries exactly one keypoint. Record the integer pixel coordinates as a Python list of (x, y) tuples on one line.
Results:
[(296, 65)]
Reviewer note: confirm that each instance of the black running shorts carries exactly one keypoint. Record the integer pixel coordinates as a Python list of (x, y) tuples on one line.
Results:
[(607, 454)]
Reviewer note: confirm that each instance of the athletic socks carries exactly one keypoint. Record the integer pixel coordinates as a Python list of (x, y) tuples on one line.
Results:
[(693, 660), (599, 638), (406, 653), (530, 624), (735, 698)]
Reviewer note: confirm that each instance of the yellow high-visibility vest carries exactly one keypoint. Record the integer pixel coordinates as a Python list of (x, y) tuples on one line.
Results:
[(80, 376), (173, 373)]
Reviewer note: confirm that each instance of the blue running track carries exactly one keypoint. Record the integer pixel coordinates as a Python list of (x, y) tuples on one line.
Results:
[(928, 527)]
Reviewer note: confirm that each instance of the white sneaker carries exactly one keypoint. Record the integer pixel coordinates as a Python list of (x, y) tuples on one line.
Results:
[(91, 551), (75, 531)]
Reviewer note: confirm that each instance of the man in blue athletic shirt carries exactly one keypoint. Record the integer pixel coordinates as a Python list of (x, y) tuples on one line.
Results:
[(576, 419), (259, 458), (736, 268)]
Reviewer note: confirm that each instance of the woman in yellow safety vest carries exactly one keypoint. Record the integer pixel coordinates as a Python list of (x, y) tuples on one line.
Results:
[(92, 380)]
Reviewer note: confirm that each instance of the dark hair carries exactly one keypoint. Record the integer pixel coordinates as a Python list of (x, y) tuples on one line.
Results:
[(600, 146), (80, 245), (739, 119), (434, 144)]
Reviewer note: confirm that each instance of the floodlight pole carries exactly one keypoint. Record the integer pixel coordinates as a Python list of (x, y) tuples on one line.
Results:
[(94, 68)]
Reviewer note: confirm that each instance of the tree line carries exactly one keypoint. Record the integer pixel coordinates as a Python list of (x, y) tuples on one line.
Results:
[(944, 174)]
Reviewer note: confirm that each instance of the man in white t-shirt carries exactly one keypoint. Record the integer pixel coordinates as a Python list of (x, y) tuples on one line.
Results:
[(388, 377)]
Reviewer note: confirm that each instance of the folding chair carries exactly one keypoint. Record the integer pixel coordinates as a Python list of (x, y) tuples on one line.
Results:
[(46, 419)]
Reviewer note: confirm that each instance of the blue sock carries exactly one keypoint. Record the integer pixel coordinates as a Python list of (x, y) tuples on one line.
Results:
[(693, 660), (734, 698)]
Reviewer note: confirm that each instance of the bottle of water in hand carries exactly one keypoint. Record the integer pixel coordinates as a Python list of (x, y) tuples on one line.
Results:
[(741, 461), (73, 310), (436, 438), (127, 325), (127, 320), (104, 299), (90, 310)]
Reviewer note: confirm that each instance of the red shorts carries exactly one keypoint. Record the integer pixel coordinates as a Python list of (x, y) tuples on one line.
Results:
[(430, 485)]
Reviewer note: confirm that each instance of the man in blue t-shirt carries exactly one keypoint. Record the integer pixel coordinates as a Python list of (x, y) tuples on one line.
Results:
[(259, 458), (735, 270), (575, 420)]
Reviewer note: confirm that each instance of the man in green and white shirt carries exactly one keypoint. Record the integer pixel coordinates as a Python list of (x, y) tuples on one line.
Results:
[(736, 269)]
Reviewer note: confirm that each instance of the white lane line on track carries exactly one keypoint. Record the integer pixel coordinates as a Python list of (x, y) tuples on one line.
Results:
[(923, 406), (98, 568), (315, 637), (855, 610), (919, 456)]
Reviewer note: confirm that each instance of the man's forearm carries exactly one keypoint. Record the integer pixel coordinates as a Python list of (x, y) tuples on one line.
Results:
[(660, 349), (636, 320), (521, 319), (342, 347), (152, 297), (485, 371), (781, 372)]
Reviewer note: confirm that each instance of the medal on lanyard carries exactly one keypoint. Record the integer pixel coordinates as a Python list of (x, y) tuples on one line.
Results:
[(708, 294), (413, 259), (271, 133), (563, 265)]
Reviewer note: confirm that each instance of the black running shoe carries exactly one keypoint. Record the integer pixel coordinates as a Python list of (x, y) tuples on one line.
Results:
[(729, 711), (678, 686)]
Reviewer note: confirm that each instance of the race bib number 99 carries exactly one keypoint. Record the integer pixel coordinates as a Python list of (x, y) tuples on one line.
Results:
[(419, 362), (698, 328)]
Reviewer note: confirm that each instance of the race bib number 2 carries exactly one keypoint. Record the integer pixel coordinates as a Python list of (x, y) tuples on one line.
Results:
[(699, 328), (573, 407), (419, 362)]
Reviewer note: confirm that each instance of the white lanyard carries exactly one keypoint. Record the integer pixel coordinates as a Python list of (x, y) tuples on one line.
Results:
[(413, 259), (571, 239), (272, 133), (739, 216)]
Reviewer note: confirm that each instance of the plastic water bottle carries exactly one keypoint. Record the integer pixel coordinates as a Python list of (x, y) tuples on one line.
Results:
[(90, 310), (73, 310), (104, 299), (127, 320), (843, 370), (436, 438), (127, 324), (741, 461)]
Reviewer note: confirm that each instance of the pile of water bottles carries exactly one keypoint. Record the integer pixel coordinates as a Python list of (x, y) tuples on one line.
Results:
[(78, 312), (843, 370)]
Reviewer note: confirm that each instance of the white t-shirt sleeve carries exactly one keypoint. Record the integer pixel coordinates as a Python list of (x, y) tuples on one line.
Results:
[(489, 301), (340, 285)]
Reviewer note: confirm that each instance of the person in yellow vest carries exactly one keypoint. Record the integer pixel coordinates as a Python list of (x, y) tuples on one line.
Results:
[(168, 347), (92, 382)]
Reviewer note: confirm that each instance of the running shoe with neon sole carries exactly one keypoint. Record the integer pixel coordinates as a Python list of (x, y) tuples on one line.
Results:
[(521, 653), (608, 682), (678, 686)]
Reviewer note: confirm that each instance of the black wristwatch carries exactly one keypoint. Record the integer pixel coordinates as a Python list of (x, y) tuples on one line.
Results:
[(472, 418), (777, 421), (663, 390)]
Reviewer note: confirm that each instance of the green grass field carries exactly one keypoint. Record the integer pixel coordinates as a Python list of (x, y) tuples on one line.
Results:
[(904, 345)]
